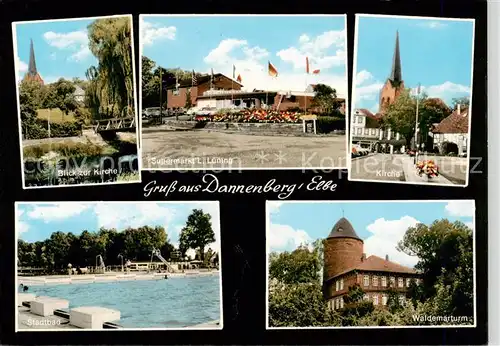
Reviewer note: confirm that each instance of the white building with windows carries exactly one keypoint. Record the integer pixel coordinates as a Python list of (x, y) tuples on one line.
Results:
[(367, 130)]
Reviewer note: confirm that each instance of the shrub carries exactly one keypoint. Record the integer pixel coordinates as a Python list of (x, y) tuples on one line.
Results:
[(326, 124), (63, 149), (83, 115)]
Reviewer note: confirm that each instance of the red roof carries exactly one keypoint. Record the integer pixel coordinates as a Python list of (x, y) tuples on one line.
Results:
[(454, 123), (375, 263), (372, 120)]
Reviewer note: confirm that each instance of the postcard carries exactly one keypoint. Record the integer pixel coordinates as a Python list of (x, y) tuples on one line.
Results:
[(242, 97), (371, 264), (118, 266), (76, 101), (412, 111)]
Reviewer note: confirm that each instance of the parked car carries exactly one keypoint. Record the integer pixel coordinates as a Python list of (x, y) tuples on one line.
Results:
[(152, 112), (362, 151), (192, 111), (206, 111)]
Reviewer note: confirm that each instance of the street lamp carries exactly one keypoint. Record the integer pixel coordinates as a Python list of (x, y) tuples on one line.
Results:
[(120, 255), (416, 125)]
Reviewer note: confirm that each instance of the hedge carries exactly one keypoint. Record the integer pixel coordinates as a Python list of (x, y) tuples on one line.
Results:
[(326, 124), (39, 129)]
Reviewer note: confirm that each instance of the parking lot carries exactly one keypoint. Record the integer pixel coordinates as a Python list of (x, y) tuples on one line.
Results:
[(202, 149)]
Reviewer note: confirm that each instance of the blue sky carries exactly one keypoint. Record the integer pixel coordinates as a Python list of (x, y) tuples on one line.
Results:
[(37, 221), (205, 42), (380, 225), (61, 48), (436, 53)]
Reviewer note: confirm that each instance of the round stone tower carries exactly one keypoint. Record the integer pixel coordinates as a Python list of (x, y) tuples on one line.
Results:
[(343, 249)]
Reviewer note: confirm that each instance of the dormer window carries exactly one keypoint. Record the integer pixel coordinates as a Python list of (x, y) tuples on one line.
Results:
[(341, 229)]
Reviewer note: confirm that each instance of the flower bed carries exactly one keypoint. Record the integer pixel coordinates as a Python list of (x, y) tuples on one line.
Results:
[(428, 168), (252, 116)]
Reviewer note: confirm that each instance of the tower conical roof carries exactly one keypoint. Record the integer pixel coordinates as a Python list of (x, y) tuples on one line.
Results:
[(343, 229), (32, 71), (396, 74)]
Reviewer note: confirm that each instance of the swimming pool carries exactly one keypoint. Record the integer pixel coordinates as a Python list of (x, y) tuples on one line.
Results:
[(173, 303)]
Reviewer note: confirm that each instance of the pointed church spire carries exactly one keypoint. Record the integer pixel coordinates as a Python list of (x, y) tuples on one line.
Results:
[(32, 74), (32, 63), (396, 76)]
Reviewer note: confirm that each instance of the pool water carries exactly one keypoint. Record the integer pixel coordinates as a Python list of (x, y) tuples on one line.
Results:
[(171, 303)]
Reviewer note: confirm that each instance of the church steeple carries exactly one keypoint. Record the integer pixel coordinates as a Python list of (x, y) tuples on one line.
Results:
[(396, 76), (32, 63), (32, 74)]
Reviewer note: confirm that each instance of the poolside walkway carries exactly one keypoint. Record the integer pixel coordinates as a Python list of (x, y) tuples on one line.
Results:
[(107, 277)]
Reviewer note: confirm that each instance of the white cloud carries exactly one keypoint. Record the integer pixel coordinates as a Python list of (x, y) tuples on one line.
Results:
[(21, 66), (447, 90), (56, 211), (362, 77), (220, 54), (384, 239), (286, 238), (367, 88), (251, 63), (121, 215), (273, 207), (319, 51), (22, 227), (151, 32), (460, 208), (368, 92), (432, 24), (76, 42)]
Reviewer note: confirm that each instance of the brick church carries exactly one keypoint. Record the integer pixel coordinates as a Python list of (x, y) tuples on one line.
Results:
[(394, 85), (32, 74), (345, 264)]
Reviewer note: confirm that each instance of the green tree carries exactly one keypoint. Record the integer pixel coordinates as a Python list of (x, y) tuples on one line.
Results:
[(295, 293), (299, 266), (401, 115), (299, 305), (433, 110), (197, 233), (325, 98), (188, 103), (355, 294), (111, 87), (61, 95), (139, 242), (445, 252), (355, 307)]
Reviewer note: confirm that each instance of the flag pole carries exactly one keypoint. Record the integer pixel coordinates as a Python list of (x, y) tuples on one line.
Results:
[(305, 98), (232, 88), (267, 88), (161, 88)]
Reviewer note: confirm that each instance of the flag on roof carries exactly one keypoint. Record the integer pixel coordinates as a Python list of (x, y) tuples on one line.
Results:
[(273, 72)]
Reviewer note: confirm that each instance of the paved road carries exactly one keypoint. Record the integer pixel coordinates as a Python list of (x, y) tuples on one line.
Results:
[(382, 167), (202, 149)]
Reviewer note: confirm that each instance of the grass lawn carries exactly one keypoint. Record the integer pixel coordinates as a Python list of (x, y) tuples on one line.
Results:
[(56, 116)]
